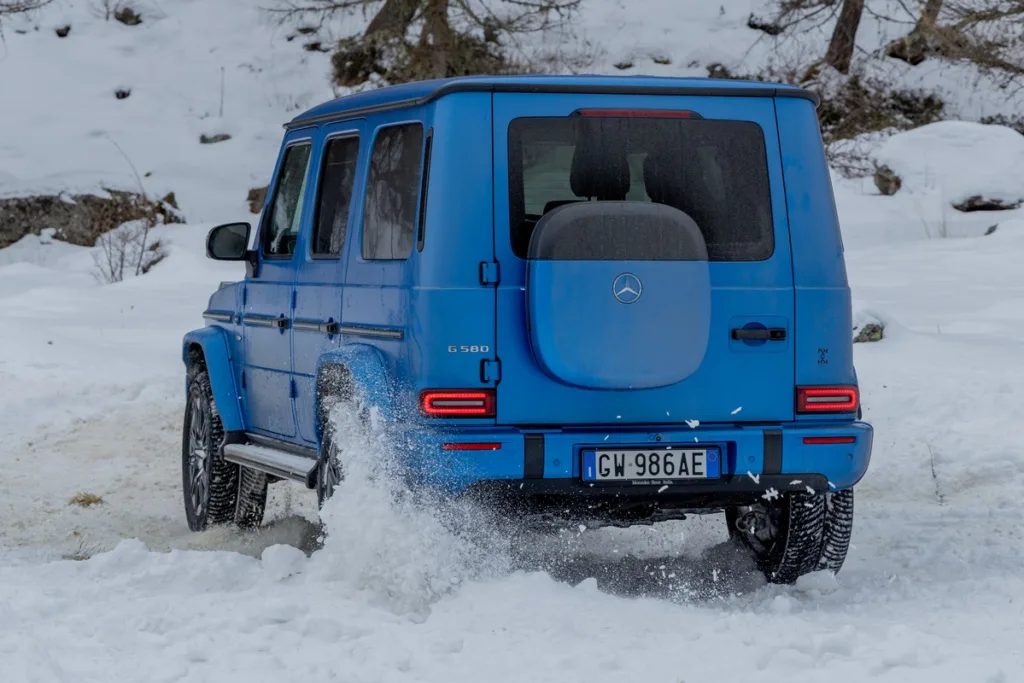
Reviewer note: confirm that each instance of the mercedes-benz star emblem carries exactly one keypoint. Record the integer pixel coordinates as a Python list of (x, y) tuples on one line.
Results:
[(627, 288)]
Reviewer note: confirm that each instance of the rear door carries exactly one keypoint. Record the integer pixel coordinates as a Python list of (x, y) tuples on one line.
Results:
[(319, 282), (604, 324)]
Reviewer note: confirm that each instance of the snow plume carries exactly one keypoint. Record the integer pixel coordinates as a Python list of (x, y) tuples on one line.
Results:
[(406, 548)]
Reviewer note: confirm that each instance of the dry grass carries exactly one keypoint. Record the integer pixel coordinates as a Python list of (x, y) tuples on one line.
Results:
[(85, 500), (82, 552)]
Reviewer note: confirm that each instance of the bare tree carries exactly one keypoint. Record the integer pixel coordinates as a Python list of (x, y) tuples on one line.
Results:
[(929, 15), (12, 7), (984, 32), (844, 36), (416, 39), (8, 7)]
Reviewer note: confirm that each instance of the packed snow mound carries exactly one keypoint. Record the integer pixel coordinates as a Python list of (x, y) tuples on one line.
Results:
[(958, 160)]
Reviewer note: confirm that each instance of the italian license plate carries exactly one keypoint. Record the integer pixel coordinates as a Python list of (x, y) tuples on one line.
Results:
[(644, 466)]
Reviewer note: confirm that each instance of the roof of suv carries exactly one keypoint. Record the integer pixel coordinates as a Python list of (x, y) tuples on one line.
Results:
[(423, 92)]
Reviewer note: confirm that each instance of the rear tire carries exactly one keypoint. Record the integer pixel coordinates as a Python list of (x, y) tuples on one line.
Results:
[(796, 534), (329, 473), (215, 491)]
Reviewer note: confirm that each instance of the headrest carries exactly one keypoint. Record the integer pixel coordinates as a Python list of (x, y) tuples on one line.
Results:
[(664, 177), (600, 166)]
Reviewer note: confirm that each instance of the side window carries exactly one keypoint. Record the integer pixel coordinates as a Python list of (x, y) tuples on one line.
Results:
[(389, 219), (281, 227), (334, 204)]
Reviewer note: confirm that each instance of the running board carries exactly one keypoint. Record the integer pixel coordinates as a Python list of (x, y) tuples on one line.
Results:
[(273, 461)]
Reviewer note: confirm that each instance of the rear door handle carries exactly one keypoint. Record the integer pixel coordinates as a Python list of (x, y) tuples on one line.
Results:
[(760, 334)]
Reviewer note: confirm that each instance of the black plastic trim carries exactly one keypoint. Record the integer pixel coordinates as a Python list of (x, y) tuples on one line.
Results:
[(254, 320), (533, 456), (286, 446), (571, 499), (321, 326), (371, 332), (581, 88), (428, 146), (766, 334), (219, 316), (772, 451)]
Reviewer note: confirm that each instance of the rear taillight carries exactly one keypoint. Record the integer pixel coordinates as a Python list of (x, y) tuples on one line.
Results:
[(640, 113), (844, 399), (457, 403), (829, 440)]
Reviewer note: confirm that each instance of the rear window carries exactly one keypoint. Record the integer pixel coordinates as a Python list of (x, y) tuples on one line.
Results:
[(714, 171)]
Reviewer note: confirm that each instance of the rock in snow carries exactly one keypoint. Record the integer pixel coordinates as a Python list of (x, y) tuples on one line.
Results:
[(958, 160)]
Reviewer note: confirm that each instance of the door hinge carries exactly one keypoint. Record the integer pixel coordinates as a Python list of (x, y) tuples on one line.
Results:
[(490, 273), (292, 390), (490, 370), (293, 299)]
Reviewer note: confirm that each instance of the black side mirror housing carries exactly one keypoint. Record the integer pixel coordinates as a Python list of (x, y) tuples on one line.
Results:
[(228, 242)]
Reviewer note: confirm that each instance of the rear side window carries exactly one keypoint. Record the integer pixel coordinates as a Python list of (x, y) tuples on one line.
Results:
[(714, 171), (337, 180), (281, 228), (389, 219)]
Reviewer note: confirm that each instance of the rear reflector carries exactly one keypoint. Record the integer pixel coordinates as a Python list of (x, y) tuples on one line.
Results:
[(640, 113), (471, 446), (457, 403), (828, 440), (844, 399)]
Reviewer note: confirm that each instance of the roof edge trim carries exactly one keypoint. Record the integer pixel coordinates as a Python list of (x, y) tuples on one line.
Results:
[(581, 89)]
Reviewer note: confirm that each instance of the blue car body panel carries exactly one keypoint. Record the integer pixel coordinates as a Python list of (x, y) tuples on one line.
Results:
[(571, 367)]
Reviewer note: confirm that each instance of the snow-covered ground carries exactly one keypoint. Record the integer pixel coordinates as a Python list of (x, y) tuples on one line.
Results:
[(91, 401), (933, 589)]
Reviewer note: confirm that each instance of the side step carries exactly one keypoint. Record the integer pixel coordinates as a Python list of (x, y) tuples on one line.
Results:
[(273, 461)]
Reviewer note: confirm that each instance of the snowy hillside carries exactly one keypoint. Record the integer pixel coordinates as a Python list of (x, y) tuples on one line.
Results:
[(91, 400)]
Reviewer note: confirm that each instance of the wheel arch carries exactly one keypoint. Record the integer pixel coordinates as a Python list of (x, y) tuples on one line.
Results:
[(353, 370), (208, 347)]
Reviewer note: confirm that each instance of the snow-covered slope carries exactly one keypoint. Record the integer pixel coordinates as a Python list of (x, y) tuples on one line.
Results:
[(91, 400), (227, 67)]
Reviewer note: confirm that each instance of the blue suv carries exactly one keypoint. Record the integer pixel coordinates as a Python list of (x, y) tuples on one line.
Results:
[(611, 299)]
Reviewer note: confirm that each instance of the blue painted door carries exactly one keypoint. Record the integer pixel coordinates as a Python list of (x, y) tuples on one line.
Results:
[(267, 297), (599, 322), (382, 251), (320, 277)]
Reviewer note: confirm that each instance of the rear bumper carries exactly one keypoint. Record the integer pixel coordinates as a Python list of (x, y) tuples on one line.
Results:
[(534, 466)]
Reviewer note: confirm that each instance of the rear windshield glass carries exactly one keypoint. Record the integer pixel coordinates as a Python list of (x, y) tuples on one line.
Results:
[(714, 171)]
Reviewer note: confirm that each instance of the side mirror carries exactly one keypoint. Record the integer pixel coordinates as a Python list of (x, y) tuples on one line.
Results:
[(228, 242)]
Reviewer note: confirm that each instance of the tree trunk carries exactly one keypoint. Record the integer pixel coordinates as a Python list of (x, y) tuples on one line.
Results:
[(929, 16), (393, 19), (844, 38), (437, 34)]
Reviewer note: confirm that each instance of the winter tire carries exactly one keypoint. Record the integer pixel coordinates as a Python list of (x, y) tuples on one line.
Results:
[(796, 534), (835, 540), (215, 491), (329, 473)]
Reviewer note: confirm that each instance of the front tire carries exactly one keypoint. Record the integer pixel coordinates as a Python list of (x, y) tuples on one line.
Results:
[(796, 534), (215, 491)]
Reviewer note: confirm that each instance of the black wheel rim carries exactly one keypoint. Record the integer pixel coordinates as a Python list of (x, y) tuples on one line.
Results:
[(198, 456), (330, 473)]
